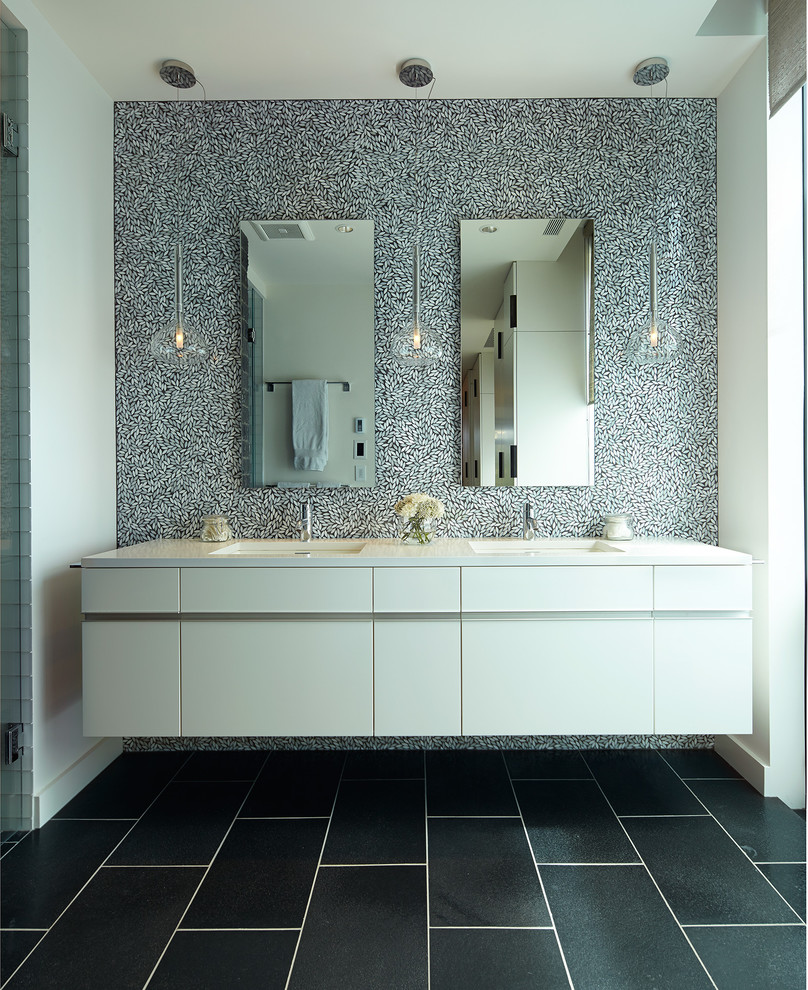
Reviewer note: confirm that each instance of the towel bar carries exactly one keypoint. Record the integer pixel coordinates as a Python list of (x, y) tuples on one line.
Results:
[(346, 386)]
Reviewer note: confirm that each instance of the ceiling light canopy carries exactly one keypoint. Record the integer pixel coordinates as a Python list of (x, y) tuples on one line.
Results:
[(178, 74), (415, 73), (651, 71)]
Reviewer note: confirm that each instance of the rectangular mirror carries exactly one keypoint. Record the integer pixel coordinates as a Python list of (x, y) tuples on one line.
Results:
[(307, 353), (528, 391)]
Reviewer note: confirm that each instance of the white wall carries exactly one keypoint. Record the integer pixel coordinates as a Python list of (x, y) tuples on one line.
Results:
[(760, 438), (72, 390)]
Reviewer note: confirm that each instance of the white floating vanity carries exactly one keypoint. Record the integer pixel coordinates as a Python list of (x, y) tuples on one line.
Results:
[(369, 637)]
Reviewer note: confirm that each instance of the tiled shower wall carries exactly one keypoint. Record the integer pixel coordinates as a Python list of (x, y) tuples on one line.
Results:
[(191, 170), (16, 779)]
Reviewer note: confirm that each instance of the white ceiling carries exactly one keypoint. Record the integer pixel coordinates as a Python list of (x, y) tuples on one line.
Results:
[(321, 49)]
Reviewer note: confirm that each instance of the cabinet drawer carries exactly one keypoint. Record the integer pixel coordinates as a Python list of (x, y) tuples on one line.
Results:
[(416, 589), (557, 589), (130, 589), (276, 589), (705, 588)]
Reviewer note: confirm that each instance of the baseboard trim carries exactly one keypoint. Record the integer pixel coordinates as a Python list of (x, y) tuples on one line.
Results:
[(67, 785), (748, 764)]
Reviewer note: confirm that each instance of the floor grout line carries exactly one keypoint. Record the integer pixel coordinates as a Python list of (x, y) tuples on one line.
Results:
[(426, 883), (632, 863), (538, 874), (361, 866), (491, 928), (652, 877), (751, 924), (471, 817), (207, 869), (180, 930), (707, 815), (316, 872)]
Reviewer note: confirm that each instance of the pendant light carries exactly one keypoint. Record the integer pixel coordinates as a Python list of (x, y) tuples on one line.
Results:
[(652, 342), (177, 344), (414, 346)]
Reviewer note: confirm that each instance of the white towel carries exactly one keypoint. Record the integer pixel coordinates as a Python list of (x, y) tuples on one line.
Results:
[(310, 425)]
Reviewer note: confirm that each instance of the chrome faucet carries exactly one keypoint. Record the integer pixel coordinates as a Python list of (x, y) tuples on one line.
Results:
[(304, 526), (530, 527)]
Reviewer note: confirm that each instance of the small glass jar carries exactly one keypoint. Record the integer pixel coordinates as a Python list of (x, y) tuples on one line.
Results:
[(215, 529), (618, 528)]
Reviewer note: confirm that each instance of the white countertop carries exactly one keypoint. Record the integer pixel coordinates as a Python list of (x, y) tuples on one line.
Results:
[(440, 552)]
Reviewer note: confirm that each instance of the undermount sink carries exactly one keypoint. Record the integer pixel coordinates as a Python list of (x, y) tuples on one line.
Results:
[(292, 548), (542, 546)]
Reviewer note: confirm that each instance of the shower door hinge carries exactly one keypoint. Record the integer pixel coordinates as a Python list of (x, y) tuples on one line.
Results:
[(250, 335), (10, 137), (13, 743)]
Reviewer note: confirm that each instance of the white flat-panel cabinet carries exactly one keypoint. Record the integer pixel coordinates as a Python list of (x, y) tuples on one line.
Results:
[(546, 676), (703, 675), (417, 648), (282, 678), (417, 677), (131, 678)]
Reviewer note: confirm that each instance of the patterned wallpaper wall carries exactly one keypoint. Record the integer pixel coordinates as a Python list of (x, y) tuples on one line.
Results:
[(194, 169)]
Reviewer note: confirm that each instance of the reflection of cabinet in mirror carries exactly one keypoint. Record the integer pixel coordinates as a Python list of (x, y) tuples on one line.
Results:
[(478, 421), (526, 314), (308, 311)]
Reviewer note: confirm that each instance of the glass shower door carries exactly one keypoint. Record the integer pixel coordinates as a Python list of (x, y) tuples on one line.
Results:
[(15, 669)]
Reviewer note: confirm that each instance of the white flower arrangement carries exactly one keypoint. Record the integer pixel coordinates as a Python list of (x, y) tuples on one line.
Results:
[(418, 511)]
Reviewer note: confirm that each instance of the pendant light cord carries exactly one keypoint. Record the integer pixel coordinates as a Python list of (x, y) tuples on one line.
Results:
[(652, 256), (416, 262)]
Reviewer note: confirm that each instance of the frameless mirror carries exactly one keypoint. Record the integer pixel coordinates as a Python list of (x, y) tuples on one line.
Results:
[(307, 353), (528, 391)]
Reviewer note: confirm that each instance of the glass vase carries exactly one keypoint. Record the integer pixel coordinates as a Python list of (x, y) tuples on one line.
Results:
[(416, 532)]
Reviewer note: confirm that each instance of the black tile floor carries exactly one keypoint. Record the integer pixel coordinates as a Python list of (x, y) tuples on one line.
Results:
[(592, 870)]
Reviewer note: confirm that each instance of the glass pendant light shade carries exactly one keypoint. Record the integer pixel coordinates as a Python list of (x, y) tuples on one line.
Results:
[(176, 344), (653, 341), (415, 347)]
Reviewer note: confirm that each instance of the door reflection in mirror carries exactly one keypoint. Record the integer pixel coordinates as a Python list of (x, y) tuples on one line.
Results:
[(527, 352), (307, 310)]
